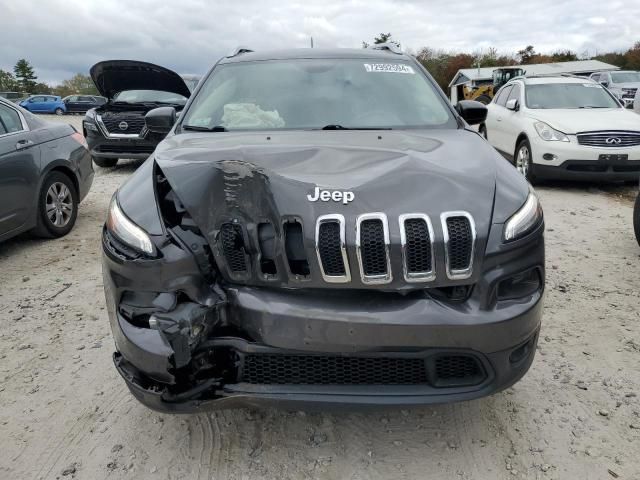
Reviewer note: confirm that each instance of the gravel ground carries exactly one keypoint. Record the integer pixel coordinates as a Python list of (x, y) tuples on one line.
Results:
[(65, 413)]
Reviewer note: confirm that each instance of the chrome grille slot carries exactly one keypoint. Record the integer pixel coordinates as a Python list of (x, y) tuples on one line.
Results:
[(609, 139), (459, 241), (233, 248), (372, 248), (416, 239), (331, 249)]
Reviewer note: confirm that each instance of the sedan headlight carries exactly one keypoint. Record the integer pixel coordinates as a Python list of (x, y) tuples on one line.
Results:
[(127, 231), (524, 220), (550, 134)]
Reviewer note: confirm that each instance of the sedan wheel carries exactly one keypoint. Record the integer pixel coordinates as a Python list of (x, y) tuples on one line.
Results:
[(58, 206), (59, 111)]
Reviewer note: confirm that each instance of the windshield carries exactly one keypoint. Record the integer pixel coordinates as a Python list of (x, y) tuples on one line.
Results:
[(568, 95), (312, 94), (149, 96), (625, 77)]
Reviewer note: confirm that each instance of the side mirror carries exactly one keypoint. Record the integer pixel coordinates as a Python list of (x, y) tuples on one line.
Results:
[(473, 112), (512, 104), (604, 83), (160, 120)]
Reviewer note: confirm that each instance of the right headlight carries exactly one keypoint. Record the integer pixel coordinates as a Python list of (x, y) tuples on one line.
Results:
[(524, 220), (550, 134), (126, 231)]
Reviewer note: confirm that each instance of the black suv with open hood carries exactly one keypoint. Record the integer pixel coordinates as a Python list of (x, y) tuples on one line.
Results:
[(116, 129), (322, 226)]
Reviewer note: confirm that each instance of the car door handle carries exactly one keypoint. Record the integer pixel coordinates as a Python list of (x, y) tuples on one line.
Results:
[(24, 144), (498, 119)]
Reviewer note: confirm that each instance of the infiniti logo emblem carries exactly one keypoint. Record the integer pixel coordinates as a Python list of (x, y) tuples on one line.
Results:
[(125, 125), (613, 141)]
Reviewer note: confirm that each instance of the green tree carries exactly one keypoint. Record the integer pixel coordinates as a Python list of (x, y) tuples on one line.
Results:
[(78, 84), (42, 88), (25, 75), (526, 54), (382, 38), (7, 81), (564, 56)]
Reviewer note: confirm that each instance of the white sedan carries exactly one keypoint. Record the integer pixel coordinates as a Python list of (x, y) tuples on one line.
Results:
[(565, 128)]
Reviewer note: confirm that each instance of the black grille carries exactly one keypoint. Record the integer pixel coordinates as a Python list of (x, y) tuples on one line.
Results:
[(609, 139), (333, 370), (134, 123), (629, 93), (458, 370), (233, 247), (330, 249), (418, 246), (460, 243), (372, 248), (106, 148)]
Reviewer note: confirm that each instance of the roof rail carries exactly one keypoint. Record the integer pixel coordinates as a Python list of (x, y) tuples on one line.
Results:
[(392, 47), (239, 51)]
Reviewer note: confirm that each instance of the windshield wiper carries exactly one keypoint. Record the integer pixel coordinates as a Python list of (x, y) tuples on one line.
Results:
[(592, 106), (198, 128), (332, 126)]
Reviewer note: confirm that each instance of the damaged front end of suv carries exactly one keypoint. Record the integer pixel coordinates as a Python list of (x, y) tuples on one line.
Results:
[(334, 266)]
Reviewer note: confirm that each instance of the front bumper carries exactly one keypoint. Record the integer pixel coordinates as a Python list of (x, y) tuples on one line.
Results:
[(134, 147), (499, 336), (572, 161)]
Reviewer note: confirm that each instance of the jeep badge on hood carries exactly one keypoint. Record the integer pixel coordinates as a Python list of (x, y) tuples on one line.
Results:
[(335, 195)]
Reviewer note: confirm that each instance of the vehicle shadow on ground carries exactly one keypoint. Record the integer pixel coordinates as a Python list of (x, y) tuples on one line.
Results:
[(627, 190)]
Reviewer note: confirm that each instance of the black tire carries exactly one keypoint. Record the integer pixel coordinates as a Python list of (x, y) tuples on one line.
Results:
[(525, 165), (58, 222), (59, 111), (636, 218), (105, 162), (484, 99), (482, 130)]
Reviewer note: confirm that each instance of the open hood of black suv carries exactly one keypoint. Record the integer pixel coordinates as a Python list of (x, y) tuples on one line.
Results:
[(114, 76)]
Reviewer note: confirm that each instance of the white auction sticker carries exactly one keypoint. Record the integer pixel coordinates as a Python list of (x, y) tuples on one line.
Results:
[(388, 68)]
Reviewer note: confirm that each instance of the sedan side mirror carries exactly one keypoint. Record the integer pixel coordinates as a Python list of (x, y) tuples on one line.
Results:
[(604, 83), (513, 104), (160, 120), (473, 112)]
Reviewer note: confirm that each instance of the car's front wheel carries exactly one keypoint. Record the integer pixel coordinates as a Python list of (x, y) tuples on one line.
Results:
[(105, 162), (636, 218), (57, 206), (523, 160), (59, 111)]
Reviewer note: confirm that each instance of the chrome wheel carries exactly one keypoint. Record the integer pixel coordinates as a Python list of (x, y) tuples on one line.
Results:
[(59, 111), (59, 204), (523, 160)]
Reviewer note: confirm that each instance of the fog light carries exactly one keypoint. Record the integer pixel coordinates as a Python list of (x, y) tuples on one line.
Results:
[(519, 285), (549, 156)]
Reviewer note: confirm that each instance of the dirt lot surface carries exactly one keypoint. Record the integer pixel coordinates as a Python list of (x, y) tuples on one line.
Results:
[(65, 413)]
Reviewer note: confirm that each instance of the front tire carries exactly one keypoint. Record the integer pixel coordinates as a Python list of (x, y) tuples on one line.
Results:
[(523, 161), (636, 218), (59, 111), (484, 99), (105, 162), (57, 206)]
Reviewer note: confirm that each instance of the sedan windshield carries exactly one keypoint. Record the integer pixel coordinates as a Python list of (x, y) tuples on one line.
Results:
[(625, 77), (568, 96), (149, 96), (315, 94)]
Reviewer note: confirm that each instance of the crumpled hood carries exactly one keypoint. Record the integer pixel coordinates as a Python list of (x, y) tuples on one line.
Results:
[(114, 76), (572, 121), (249, 178)]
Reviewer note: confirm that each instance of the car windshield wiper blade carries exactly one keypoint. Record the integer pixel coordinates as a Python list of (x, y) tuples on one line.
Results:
[(198, 128), (592, 106), (333, 126)]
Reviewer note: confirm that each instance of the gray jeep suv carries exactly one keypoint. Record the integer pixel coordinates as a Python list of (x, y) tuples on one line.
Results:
[(322, 226)]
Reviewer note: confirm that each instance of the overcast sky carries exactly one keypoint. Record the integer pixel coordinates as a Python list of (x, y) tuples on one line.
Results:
[(62, 37)]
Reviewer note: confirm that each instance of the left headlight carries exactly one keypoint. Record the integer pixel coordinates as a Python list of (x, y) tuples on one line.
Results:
[(524, 220), (550, 134), (119, 225)]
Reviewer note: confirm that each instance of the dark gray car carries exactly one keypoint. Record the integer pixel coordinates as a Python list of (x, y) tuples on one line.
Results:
[(322, 226), (45, 171)]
